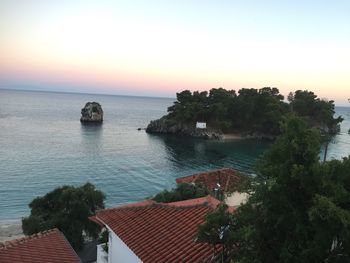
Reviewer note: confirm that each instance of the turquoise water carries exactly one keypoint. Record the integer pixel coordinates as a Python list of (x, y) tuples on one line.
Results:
[(43, 146), (340, 144)]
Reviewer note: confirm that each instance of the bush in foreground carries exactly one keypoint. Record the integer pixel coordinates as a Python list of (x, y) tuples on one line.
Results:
[(67, 208), (299, 208)]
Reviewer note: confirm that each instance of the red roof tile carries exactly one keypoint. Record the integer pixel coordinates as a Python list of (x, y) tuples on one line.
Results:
[(209, 200), (162, 232), (227, 178), (138, 204), (46, 247)]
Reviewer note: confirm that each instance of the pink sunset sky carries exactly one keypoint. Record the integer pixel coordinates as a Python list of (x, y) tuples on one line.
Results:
[(158, 48)]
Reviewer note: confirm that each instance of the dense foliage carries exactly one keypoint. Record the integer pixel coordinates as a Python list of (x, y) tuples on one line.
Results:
[(182, 191), (299, 208), (251, 110), (216, 230), (318, 112), (66, 208)]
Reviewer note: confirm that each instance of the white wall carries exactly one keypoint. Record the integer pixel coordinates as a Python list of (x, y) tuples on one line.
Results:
[(201, 125), (102, 256), (118, 251), (236, 199)]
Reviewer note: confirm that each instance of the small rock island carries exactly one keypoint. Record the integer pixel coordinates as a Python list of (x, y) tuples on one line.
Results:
[(92, 113)]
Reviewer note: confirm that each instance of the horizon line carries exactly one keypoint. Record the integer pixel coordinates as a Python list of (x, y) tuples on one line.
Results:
[(86, 93), (120, 95)]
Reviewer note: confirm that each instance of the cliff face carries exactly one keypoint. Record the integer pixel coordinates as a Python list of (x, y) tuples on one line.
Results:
[(164, 126), (92, 113)]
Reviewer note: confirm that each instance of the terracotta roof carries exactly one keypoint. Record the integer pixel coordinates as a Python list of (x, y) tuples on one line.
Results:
[(162, 232), (50, 247), (227, 178), (138, 204), (208, 200)]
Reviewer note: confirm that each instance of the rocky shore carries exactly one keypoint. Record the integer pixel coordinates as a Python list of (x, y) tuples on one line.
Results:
[(164, 126)]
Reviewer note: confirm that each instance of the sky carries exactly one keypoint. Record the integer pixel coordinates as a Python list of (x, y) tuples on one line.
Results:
[(158, 48)]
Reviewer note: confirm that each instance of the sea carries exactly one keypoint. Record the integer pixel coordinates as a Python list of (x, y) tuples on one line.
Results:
[(43, 145)]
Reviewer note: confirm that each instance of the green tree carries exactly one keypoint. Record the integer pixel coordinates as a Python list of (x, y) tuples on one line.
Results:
[(189, 107), (251, 111), (66, 208), (182, 191), (317, 112), (330, 212), (218, 103), (216, 230), (299, 207), (284, 190), (258, 111)]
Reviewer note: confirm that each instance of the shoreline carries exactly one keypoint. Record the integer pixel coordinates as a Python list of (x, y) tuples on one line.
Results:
[(10, 229), (232, 136)]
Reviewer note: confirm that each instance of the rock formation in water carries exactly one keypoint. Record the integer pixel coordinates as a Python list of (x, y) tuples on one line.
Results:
[(92, 113), (165, 126)]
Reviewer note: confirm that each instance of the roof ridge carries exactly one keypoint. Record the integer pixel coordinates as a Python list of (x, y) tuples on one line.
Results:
[(19, 241), (227, 182), (207, 202), (129, 205), (212, 171), (194, 176), (204, 204), (156, 204)]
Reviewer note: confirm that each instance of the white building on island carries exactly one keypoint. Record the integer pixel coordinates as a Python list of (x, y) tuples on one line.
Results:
[(201, 125)]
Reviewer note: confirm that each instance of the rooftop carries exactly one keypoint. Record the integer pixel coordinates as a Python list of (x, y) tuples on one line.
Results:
[(162, 232), (227, 178), (50, 247)]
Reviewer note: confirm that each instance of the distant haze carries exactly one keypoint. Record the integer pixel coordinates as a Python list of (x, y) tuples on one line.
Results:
[(157, 48)]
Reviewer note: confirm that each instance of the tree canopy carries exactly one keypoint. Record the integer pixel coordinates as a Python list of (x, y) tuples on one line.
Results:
[(314, 110), (299, 208), (66, 208), (251, 110), (216, 229), (182, 191)]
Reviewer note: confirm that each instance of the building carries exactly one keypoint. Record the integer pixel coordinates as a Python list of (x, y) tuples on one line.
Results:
[(45, 247), (201, 125), (221, 183), (156, 232)]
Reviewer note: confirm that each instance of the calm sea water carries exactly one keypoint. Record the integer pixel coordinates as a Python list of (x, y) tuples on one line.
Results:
[(43, 146)]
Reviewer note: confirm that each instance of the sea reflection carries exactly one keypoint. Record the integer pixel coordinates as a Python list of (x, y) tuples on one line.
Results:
[(184, 152), (91, 136)]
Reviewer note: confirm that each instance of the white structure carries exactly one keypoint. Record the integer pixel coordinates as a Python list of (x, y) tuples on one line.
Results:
[(102, 255), (201, 125), (236, 199), (152, 232), (118, 251)]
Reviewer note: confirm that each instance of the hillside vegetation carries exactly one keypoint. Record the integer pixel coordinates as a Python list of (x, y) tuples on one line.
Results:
[(256, 112)]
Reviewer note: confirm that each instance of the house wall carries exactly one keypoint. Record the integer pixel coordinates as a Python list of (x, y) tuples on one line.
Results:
[(118, 251), (102, 256)]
